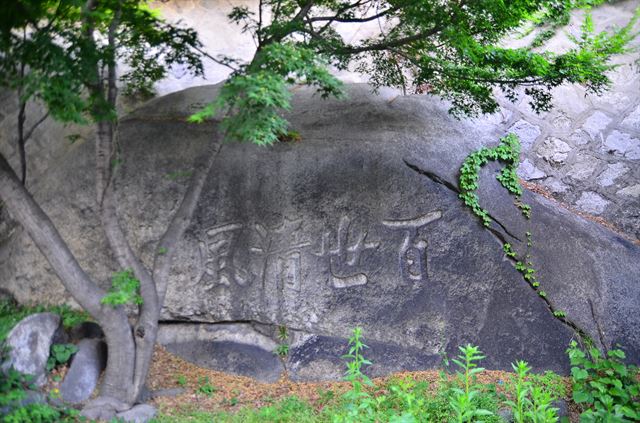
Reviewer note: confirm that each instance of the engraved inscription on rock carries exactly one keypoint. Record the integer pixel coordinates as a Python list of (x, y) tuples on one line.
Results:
[(274, 264)]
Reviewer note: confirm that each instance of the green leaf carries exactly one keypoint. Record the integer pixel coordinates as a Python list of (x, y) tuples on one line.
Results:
[(579, 374)]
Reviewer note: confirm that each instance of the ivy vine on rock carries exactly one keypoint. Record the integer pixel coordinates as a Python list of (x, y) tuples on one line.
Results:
[(507, 152)]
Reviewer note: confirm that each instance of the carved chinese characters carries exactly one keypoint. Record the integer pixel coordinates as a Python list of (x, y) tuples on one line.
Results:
[(345, 256), (413, 251), (281, 258)]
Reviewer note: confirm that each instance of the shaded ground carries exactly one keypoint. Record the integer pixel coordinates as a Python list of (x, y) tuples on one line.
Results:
[(231, 393)]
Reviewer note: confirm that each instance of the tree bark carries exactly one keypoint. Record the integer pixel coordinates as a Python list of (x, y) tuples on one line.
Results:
[(24, 209)]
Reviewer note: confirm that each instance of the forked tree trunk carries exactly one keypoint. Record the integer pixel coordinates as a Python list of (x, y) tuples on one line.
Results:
[(153, 282), (24, 209), (129, 349)]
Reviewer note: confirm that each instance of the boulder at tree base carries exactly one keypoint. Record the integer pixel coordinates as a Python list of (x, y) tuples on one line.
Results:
[(357, 224)]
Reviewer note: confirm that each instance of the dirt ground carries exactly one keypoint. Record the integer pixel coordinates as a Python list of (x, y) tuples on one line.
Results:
[(232, 392)]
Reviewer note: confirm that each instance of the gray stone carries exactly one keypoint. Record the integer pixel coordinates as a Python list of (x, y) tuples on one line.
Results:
[(529, 172), (556, 186), (631, 191), (506, 414), (613, 100), (358, 224), (563, 123), (571, 100), (562, 408), (633, 119), (527, 132), (583, 167), (611, 173), (84, 372), (580, 137), (235, 348), (624, 144), (591, 202), (29, 343), (60, 336), (140, 413), (595, 124), (554, 150)]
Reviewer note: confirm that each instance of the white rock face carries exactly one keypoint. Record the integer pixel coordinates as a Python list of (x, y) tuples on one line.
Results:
[(554, 150), (527, 132), (584, 167), (529, 172), (632, 191), (633, 119)]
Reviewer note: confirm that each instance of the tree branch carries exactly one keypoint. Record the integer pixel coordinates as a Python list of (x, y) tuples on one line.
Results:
[(335, 18), (167, 246), (213, 59), (35, 126), (386, 45)]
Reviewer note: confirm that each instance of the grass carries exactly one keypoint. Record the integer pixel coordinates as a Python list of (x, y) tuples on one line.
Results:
[(390, 402), (463, 396)]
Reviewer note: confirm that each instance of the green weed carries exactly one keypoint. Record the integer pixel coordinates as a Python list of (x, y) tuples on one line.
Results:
[(60, 354), (606, 388), (205, 387), (461, 400), (125, 289)]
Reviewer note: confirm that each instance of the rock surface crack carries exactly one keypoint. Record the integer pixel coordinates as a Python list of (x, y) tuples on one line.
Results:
[(439, 180)]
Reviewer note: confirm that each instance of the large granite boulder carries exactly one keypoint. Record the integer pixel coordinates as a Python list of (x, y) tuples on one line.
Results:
[(358, 224)]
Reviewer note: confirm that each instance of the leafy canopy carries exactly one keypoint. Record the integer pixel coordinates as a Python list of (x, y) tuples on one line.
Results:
[(448, 48), (68, 45)]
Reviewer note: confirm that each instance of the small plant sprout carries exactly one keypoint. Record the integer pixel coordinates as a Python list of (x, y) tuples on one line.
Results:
[(356, 359), (520, 390), (180, 174), (181, 380), (508, 250), (205, 387), (461, 401), (60, 354), (359, 401), (282, 349)]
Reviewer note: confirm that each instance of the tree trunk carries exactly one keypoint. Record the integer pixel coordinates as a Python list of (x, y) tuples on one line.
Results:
[(24, 209), (152, 285)]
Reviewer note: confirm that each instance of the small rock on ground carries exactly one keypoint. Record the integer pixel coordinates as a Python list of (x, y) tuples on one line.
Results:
[(82, 377), (141, 413)]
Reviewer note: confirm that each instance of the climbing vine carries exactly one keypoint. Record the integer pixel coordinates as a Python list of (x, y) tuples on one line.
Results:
[(507, 152)]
